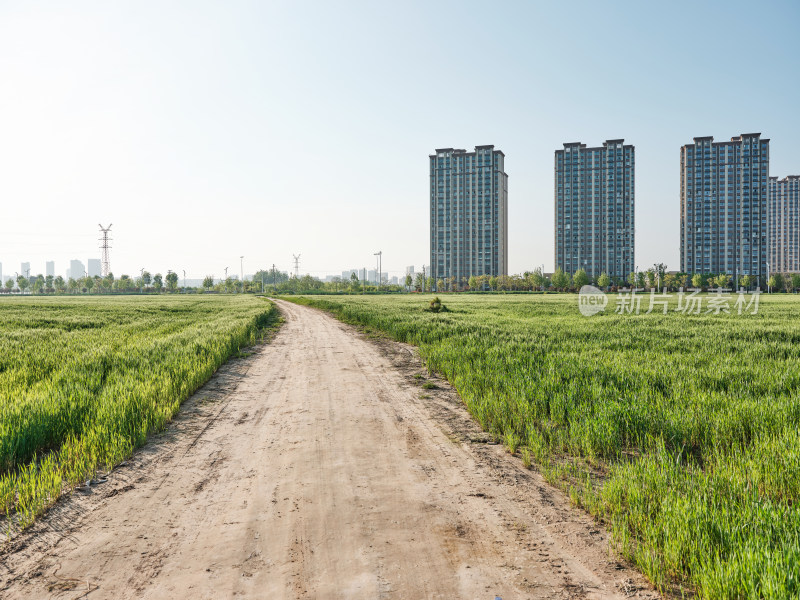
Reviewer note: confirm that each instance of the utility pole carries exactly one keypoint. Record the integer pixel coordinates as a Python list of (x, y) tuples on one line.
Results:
[(105, 245), (424, 279), (241, 267), (184, 281), (273, 277), (296, 265)]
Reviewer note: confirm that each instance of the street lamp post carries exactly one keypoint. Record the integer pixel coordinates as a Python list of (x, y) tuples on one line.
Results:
[(769, 288), (379, 261)]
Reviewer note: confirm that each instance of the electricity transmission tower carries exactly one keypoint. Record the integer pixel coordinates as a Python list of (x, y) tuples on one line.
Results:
[(296, 265), (105, 245)]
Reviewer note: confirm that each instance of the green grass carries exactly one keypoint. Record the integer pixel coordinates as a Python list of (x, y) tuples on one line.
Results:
[(680, 432), (83, 381)]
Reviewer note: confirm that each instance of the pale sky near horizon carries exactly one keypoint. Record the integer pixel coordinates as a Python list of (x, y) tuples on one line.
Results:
[(208, 130)]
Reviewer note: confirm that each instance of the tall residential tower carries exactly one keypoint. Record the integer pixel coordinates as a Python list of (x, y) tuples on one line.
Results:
[(724, 207), (469, 213), (594, 209), (783, 219)]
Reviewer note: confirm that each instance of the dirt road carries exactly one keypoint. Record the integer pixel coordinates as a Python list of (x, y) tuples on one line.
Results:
[(317, 467)]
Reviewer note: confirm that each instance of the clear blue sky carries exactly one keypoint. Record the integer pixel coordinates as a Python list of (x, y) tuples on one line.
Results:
[(209, 130)]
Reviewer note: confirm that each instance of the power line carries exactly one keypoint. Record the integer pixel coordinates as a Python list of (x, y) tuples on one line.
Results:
[(296, 265), (104, 247)]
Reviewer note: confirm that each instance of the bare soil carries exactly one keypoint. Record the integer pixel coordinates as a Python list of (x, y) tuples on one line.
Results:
[(318, 467)]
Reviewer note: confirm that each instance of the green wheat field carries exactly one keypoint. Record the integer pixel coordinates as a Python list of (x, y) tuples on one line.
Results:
[(680, 432), (83, 381)]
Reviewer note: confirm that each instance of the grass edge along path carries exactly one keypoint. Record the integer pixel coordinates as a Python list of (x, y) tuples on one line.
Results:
[(703, 500), (143, 403)]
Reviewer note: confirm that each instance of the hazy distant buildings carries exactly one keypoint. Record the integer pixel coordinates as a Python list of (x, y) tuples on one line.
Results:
[(76, 270), (724, 207), (594, 209), (468, 213), (783, 219), (25, 269), (50, 268), (93, 267)]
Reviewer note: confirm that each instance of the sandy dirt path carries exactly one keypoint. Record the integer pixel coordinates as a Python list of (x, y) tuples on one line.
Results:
[(318, 468)]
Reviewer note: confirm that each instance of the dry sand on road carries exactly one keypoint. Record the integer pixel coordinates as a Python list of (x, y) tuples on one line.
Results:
[(318, 468)]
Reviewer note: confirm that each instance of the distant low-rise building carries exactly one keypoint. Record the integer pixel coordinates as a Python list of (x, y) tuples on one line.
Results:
[(76, 269), (94, 267)]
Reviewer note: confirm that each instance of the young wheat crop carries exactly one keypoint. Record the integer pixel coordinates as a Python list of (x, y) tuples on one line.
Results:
[(83, 381), (681, 432)]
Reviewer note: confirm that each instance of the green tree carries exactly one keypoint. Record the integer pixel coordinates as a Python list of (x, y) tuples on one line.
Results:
[(146, 278), (419, 282), (651, 278), (604, 281), (537, 278), (778, 285), (22, 283), (157, 282), (439, 284), (59, 283), (697, 280), (472, 282), (560, 279), (669, 281), (72, 285), (88, 283), (493, 283), (641, 279), (745, 281), (580, 278), (9, 285), (48, 281), (172, 281), (722, 280), (660, 270), (208, 282), (409, 281), (795, 281), (632, 279)]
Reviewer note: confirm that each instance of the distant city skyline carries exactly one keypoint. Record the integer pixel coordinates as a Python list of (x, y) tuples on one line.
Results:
[(268, 129)]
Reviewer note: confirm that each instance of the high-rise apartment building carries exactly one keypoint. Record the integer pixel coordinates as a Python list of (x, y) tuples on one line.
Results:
[(469, 213), (594, 209), (724, 207), (93, 267), (783, 219), (49, 268), (25, 269)]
